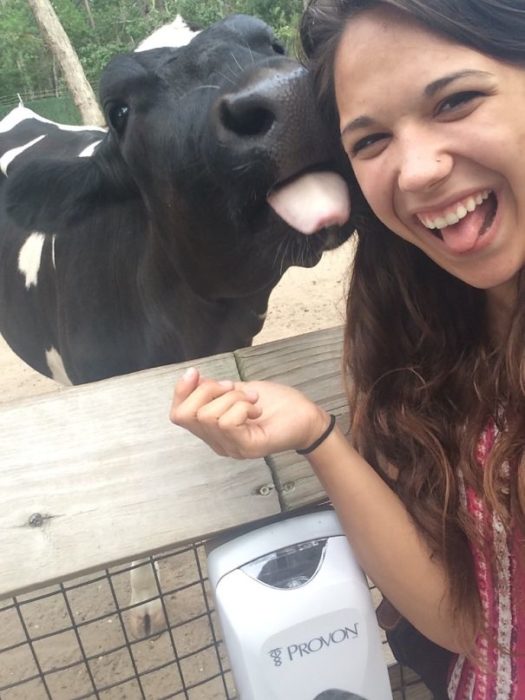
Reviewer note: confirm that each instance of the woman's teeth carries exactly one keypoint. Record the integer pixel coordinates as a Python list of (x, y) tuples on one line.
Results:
[(452, 216)]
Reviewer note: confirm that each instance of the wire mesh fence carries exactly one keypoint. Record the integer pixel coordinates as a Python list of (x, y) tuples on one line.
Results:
[(74, 640), (59, 109), (56, 104)]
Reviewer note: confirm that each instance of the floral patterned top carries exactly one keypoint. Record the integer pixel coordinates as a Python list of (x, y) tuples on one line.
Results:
[(499, 671)]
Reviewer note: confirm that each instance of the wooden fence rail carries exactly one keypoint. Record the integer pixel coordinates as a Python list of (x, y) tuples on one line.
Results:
[(96, 474)]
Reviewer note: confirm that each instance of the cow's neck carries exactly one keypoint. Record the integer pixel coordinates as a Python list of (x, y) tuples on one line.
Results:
[(244, 318), (184, 325), (188, 316)]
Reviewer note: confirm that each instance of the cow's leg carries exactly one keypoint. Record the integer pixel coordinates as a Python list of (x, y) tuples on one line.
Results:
[(146, 619)]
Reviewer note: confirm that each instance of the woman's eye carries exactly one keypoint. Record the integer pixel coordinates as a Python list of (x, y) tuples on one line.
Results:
[(367, 143), (458, 100)]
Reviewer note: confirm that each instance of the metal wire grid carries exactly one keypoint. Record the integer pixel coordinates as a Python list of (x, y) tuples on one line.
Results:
[(72, 641)]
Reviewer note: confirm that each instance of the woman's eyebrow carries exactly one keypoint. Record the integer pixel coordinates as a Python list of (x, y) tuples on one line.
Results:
[(362, 122), (437, 85), (365, 122)]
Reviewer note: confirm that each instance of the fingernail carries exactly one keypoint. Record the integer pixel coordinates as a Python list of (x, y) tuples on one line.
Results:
[(226, 383), (189, 373)]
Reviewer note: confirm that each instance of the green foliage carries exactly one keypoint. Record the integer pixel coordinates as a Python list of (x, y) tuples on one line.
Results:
[(283, 16), (23, 55), (27, 65)]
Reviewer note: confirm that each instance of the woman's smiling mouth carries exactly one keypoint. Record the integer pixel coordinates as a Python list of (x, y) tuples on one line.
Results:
[(451, 215), (461, 225)]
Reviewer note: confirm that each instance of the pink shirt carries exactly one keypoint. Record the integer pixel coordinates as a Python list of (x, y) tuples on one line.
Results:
[(499, 675)]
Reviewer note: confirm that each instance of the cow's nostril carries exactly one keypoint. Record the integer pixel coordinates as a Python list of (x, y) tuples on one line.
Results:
[(245, 118)]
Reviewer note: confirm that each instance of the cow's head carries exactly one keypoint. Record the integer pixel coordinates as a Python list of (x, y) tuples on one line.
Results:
[(202, 135)]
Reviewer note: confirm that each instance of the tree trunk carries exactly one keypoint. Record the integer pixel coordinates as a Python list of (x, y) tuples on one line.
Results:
[(58, 42), (55, 77), (89, 13)]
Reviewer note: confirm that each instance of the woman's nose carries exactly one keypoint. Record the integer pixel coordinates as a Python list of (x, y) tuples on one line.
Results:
[(423, 165)]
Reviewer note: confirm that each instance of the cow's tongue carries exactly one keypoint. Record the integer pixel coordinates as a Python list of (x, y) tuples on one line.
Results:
[(461, 237), (312, 201)]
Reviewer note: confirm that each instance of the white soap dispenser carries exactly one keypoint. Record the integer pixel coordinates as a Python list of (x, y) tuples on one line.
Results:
[(296, 614)]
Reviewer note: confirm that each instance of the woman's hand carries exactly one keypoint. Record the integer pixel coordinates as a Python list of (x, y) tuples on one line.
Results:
[(246, 419)]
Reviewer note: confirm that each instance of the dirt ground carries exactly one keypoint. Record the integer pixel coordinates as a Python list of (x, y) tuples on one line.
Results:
[(305, 300)]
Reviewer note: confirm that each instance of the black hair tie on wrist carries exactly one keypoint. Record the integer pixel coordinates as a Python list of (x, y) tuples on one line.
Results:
[(320, 439)]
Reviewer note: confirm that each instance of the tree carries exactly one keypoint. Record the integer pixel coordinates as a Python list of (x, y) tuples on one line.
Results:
[(58, 42), (100, 29)]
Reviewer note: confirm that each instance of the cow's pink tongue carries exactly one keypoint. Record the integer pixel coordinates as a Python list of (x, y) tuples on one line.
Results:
[(461, 237), (312, 202)]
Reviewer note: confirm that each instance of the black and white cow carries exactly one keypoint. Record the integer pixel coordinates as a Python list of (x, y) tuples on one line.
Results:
[(176, 33), (160, 239), (160, 245)]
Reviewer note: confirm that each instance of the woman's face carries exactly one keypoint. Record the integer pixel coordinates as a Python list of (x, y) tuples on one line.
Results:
[(435, 133)]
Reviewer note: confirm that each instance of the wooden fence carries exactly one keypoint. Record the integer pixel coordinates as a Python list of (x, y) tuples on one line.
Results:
[(96, 474)]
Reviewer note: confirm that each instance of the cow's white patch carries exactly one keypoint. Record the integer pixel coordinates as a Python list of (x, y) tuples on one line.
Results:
[(56, 367), (18, 114), (15, 116), (10, 155), (69, 127), (176, 33), (30, 256), (89, 150)]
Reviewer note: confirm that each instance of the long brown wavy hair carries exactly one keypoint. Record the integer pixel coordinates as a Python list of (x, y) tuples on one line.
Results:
[(424, 373)]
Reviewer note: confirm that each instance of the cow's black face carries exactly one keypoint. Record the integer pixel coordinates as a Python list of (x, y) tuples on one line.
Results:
[(212, 128)]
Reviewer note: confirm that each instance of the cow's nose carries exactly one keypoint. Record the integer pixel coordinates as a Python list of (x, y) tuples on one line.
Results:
[(266, 118), (246, 114)]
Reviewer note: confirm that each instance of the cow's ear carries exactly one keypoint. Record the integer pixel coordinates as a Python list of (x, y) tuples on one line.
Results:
[(47, 191)]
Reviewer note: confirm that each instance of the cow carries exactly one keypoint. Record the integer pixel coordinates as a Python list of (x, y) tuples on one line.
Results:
[(176, 33), (160, 238)]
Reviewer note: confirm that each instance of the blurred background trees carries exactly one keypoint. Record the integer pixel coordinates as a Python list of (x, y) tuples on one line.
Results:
[(99, 29)]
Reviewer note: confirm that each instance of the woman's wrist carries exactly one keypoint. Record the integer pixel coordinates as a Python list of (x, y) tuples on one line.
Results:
[(318, 423), (320, 439)]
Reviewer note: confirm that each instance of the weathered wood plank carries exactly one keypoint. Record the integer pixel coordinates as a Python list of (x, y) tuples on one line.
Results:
[(111, 478), (311, 363)]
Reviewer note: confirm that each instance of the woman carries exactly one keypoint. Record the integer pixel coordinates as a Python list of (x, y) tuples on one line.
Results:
[(429, 98)]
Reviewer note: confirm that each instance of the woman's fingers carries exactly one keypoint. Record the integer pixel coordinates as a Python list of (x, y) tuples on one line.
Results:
[(185, 385), (233, 434), (187, 402), (213, 412), (238, 413), (199, 401), (244, 419)]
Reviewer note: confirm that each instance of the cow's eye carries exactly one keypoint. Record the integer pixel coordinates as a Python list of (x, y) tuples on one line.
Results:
[(118, 116), (278, 48)]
